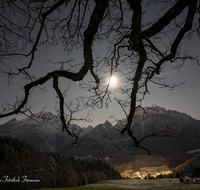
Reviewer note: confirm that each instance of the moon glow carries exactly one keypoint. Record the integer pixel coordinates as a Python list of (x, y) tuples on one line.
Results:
[(113, 80)]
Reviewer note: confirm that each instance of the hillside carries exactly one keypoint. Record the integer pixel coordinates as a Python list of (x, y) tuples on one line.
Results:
[(188, 167), (19, 159)]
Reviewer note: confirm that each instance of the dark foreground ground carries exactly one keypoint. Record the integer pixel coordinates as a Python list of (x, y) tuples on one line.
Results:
[(136, 184)]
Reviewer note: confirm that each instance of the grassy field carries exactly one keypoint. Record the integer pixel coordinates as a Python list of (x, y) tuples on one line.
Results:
[(136, 184)]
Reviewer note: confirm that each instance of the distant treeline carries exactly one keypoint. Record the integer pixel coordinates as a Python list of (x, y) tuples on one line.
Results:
[(23, 166)]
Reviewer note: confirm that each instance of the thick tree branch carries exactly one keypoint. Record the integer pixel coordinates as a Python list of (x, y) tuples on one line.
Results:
[(187, 26), (89, 34), (136, 44), (61, 98), (166, 18)]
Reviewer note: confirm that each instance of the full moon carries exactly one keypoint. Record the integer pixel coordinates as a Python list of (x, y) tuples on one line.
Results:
[(113, 80)]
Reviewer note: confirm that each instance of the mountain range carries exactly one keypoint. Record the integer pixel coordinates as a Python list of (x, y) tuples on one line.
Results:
[(105, 141), (42, 131)]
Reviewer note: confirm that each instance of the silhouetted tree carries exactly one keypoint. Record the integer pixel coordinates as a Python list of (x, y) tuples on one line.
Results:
[(133, 44)]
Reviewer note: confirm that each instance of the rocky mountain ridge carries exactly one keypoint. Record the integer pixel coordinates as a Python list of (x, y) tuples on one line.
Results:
[(43, 130)]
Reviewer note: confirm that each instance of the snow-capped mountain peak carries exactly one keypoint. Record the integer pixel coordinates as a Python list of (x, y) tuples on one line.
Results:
[(172, 113)]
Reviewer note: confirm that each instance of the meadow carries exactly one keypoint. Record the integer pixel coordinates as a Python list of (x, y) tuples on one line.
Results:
[(135, 184)]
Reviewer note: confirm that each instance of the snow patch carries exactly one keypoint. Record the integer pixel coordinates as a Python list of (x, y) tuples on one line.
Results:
[(193, 151)]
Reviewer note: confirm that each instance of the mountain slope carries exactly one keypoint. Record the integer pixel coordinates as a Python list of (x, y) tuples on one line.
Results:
[(96, 143), (188, 167), (43, 132)]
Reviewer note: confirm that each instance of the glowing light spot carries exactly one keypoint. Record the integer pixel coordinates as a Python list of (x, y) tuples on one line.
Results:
[(113, 80)]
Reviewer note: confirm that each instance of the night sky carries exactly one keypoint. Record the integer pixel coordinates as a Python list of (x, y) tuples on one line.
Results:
[(185, 98)]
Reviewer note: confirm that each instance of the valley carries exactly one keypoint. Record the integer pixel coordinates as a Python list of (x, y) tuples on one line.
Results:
[(104, 142)]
